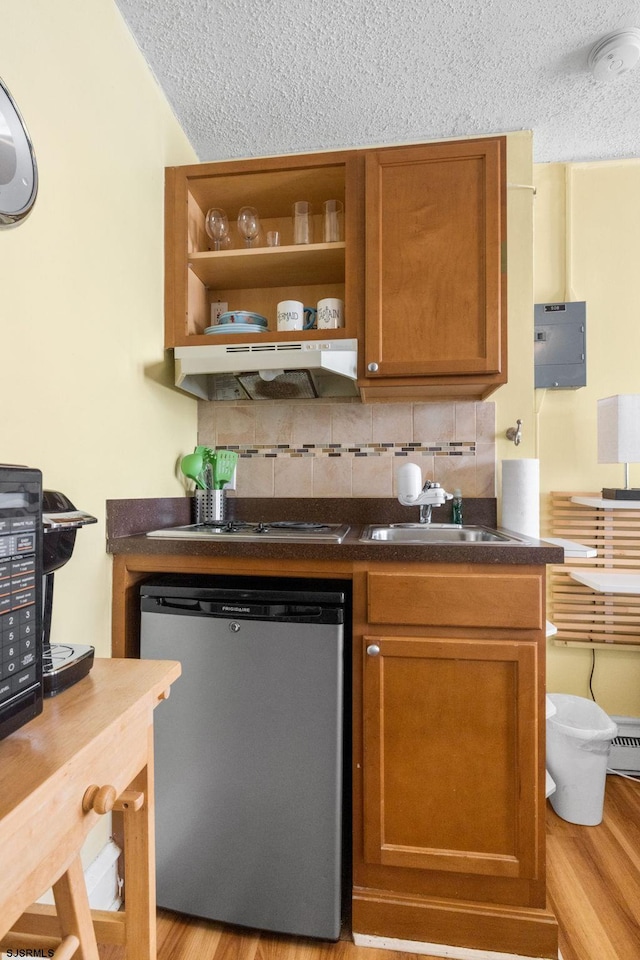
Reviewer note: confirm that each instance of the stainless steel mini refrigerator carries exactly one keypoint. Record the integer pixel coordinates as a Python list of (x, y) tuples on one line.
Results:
[(249, 750)]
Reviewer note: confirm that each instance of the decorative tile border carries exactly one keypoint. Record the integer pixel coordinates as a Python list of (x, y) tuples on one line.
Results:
[(454, 448)]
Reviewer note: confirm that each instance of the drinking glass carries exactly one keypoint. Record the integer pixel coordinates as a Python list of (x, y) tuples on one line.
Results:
[(217, 226), (302, 224), (248, 224), (332, 222)]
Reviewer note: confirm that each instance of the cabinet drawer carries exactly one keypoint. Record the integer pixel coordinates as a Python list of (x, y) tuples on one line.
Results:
[(458, 600)]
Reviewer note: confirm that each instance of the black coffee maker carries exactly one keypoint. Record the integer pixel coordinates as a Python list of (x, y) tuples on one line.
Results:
[(63, 664)]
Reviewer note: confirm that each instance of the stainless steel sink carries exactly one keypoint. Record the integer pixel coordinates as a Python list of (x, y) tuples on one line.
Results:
[(424, 533)]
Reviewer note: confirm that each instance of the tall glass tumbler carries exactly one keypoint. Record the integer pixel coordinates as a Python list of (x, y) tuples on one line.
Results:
[(302, 222), (333, 221)]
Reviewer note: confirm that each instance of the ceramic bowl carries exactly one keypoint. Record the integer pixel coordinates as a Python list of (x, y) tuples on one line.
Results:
[(242, 316)]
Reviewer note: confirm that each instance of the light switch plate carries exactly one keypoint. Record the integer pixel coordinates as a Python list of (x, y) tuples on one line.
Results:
[(231, 484)]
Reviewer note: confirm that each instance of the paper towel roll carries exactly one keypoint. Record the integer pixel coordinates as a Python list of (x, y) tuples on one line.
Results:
[(521, 497)]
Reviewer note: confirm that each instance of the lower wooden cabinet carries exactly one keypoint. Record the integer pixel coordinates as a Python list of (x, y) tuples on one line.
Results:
[(450, 747), (449, 817)]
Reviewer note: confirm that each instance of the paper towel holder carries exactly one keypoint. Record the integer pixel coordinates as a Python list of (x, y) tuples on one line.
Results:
[(515, 433)]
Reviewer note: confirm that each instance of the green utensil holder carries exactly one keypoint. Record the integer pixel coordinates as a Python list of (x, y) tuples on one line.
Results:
[(209, 506)]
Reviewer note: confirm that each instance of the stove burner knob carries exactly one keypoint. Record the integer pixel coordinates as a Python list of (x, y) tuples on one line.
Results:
[(262, 528)]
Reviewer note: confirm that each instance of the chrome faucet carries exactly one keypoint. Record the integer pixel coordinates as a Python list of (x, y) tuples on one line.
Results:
[(436, 497), (431, 495)]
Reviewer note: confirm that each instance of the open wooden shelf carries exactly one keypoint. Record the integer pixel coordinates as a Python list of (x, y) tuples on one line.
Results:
[(307, 264)]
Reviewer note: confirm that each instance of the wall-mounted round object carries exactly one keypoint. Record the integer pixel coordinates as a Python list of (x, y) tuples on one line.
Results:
[(615, 54), (18, 170)]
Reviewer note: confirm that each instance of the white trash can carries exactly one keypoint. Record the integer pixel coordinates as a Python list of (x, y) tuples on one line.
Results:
[(579, 737)]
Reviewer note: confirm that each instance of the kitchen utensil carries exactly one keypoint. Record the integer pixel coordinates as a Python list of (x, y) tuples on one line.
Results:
[(192, 466), (224, 466), (208, 459)]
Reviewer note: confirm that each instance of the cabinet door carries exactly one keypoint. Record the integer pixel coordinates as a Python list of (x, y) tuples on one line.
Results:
[(451, 755), (435, 225)]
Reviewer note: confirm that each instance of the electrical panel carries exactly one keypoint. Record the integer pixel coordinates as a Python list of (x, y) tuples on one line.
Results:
[(560, 345)]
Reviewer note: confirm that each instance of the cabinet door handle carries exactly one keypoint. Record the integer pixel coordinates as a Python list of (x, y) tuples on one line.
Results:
[(373, 649), (372, 367), (99, 799)]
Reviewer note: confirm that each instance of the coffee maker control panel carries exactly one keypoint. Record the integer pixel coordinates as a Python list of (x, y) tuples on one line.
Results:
[(20, 596)]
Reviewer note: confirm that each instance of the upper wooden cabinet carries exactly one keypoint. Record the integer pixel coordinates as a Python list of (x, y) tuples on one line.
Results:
[(420, 269), (435, 283), (258, 278)]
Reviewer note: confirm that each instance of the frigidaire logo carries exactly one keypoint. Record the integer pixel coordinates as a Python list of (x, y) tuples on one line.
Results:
[(227, 608)]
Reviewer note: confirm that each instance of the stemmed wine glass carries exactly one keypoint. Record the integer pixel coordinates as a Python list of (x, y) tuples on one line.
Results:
[(248, 224), (217, 226)]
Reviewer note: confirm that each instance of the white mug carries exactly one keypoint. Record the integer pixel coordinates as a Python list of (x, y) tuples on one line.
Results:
[(290, 315), (330, 313)]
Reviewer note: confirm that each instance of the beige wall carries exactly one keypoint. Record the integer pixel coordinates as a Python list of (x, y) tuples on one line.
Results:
[(81, 280), (516, 399), (587, 247)]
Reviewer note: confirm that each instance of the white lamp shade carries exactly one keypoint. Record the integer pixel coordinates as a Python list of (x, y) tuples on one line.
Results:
[(619, 429)]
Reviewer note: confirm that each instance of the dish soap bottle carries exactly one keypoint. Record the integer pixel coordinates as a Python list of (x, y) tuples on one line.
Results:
[(457, 507)]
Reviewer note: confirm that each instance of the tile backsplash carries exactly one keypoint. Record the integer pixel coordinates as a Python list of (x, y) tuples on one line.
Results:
[(341, 449)]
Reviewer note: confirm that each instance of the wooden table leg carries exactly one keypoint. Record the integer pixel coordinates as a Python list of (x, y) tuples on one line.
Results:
[(140, 868), (74, 914)]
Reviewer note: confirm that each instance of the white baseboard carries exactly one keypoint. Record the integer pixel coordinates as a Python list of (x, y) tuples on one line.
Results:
[(435, 949), (101, 879)]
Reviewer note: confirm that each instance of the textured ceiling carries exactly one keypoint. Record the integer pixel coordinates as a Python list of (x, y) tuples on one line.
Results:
[(257, 77)]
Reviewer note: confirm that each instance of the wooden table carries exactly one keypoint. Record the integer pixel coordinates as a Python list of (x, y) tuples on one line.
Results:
[(89, 752)]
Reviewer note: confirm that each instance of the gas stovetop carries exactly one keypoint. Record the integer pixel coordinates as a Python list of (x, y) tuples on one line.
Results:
[(281, 530)]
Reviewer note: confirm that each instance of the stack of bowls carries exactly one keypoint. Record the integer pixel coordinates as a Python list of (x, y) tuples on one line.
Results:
[(239, 321)]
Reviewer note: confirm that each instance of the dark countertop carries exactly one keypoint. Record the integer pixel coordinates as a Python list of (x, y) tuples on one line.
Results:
[(129, 520)]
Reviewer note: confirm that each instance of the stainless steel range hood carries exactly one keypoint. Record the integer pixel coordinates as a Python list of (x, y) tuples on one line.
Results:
[(268, 370)]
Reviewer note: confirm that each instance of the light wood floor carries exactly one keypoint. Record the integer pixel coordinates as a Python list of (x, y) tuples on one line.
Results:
[(594, 878), (594, 890)]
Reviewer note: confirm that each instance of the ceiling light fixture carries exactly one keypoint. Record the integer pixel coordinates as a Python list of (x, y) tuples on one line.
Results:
[(615, 54)]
